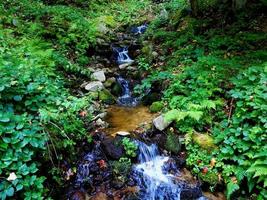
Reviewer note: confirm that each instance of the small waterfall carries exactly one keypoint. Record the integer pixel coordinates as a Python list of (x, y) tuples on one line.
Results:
[(126, 99), (153, 176), (122, 55), (156, 175), (139, 29)]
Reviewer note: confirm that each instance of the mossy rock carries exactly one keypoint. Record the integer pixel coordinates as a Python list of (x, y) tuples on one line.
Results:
[(94, 95), (156, 107), (204, 140), (109, 82), (173, 143), (116, 89), (106, 97)]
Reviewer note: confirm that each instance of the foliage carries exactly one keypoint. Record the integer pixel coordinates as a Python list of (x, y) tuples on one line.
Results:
[(122, 166), (217, 86), (242, 138), (38, 117), (143, 65), (130, 147), (156, 106)]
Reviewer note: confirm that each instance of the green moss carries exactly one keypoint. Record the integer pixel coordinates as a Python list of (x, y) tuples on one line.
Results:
[(106, 97), (173, 143), (156, 106), (116, 89), (93, 95), (205, 141)]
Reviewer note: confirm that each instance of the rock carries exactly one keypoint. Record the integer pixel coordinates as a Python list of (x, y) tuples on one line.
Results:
[(102, 115), (94, 95), (116, 89), (111, 149), (109, 82), (94, 86), (99, 76), (117, 184), (102, 28), (156, 106), (204, 140), (173, 143), (78, 195), (123, 133), (130, 68), (155, 54), (106, 97), (100, 122), (100, 196), (100, 41), (124, 65), (160, 123), (164, 14)]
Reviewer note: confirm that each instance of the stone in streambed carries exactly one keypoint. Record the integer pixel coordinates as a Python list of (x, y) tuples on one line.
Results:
[(160, 123), (116, 89), (109, 82), (125, 65), (106, 97), (112, 148), (99, 76), (101, 123), (122, 133), (156, 107), (93, 95), (94, 86)]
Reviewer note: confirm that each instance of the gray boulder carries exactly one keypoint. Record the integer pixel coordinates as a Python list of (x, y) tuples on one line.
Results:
[(94, 86), (99, 76), (160, 123)]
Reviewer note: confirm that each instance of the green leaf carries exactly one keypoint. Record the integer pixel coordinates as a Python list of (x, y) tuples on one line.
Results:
[(19, 187), (2, 88), (10, 192), (231, 188), (17, 98), (195, 114), (4, 119), (19, 126)]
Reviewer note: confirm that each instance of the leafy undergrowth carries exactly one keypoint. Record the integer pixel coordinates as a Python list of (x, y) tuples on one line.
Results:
[(41, 124), (214, 82), (72, 28)]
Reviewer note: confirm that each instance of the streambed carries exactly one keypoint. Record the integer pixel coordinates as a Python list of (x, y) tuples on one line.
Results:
[(127, 119), (153, 175)]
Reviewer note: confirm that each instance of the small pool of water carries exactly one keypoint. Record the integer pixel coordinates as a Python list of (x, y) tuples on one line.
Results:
[(126, 118)]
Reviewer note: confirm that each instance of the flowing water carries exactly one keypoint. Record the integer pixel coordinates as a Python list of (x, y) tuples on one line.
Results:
[(139, 29), (156, 175), (126, 99), (122, 55)]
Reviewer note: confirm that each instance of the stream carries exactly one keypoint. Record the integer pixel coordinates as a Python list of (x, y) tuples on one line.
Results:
[(153, 176)]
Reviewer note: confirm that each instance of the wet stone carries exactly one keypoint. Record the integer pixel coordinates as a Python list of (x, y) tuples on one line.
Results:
[(112, 150)]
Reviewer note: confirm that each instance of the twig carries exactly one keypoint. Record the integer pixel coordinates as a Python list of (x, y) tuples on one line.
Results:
[(61, 130)]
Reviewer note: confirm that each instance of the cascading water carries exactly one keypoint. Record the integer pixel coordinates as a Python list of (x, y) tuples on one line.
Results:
[(139, 29), (126, 99), (122, 55), (156, 175)]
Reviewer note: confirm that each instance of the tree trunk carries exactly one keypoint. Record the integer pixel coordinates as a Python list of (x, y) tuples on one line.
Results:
[(194, 7)]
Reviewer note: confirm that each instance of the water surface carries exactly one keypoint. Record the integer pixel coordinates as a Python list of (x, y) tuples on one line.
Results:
[(127, 118)]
